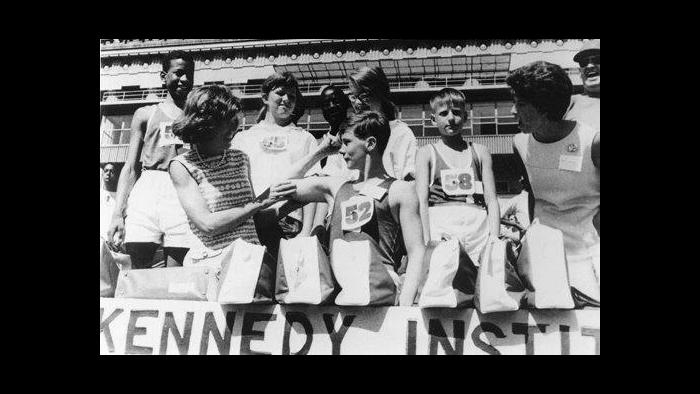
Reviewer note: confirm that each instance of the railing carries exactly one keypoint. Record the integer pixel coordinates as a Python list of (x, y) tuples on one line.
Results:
[(496, 144), (314, 88)]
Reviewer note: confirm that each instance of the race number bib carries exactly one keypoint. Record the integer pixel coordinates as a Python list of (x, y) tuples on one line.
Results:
[(357, 211), (166, 135), (275, 142), (570, 163), (459, 182)]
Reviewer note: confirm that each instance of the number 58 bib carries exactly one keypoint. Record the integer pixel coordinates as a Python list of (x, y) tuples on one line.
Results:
[(357, 211), (460, 182)]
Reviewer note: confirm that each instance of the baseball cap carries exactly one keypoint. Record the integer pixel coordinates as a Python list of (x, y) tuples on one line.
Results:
[(589, 48)]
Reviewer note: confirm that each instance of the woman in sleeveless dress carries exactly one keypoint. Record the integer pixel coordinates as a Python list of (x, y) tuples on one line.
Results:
[(560, 164), (213, 181)]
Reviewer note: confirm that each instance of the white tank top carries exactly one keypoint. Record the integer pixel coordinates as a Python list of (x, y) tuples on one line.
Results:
[(565, 198)]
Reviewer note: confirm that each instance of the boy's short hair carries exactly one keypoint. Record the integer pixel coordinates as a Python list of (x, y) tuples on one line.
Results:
[(369, 124), (545, 85), (448, 96), (206, 108), (172, 55), (285, 79)]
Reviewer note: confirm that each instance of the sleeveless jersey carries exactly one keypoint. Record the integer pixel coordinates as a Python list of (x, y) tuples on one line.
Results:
[(565, 184), (223, 187), (463, 178), (159, 143), (383, 233)]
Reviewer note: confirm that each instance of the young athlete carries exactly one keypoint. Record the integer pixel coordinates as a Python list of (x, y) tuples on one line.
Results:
[(392, 224), (454, 181), (213, 181), (147, 212), (560, 162), (370, 91), (272, 146)]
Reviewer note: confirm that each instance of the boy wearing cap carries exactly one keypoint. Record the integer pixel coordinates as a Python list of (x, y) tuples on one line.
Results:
[(585, 107)]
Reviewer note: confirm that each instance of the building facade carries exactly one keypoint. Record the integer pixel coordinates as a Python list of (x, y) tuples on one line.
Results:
[(129, 78)]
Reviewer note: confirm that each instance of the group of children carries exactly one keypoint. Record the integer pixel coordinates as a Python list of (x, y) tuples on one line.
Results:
[(366, 179)]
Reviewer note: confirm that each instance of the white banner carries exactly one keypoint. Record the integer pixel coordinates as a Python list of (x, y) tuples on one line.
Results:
[(133, 326)]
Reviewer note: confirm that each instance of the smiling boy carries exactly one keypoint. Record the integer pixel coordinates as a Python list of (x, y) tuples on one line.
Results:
[(147, 211)]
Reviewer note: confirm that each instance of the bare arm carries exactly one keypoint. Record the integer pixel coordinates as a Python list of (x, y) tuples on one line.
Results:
[(595, 152), (321, 212), (311, 189), (128, 176), (404, 195), (525, 181), (214, 223), (489, 182), (422, 182)]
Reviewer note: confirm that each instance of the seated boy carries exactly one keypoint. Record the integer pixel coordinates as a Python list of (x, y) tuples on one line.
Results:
[(392, 224), (454, 181)]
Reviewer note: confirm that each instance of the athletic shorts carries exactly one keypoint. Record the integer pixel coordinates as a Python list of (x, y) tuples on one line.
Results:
[(467, 223), (154, 213)]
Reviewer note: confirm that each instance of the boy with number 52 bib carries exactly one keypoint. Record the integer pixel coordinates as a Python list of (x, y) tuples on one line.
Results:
[(376, 211), (454, 181)]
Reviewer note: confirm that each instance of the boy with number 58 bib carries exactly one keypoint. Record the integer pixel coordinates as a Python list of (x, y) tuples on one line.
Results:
[(454, 181)]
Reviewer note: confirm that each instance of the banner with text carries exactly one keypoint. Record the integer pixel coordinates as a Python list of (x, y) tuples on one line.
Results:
[(134, 326)]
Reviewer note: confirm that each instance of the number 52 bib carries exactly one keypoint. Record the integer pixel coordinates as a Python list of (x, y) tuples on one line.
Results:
[(460, 182), (357, 211)]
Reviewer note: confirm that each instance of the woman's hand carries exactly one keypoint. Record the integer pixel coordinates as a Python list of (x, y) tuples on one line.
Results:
[(279, 192)]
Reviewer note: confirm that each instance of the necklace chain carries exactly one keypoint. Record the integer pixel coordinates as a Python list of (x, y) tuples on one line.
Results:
[(221, 162)]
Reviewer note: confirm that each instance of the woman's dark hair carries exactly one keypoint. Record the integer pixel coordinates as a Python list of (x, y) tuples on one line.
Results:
[(545, 85), (374, 82), (172, 55), (369, 124), (206, 108)]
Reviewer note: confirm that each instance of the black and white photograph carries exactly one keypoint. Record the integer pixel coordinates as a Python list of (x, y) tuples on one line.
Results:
[(349, 196)]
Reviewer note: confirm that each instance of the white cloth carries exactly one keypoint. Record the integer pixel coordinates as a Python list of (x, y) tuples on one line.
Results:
[(267, 166), (399, 157)]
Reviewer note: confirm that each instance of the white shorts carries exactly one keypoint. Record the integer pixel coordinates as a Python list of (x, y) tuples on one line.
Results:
[(154, 213), (467, 223)]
